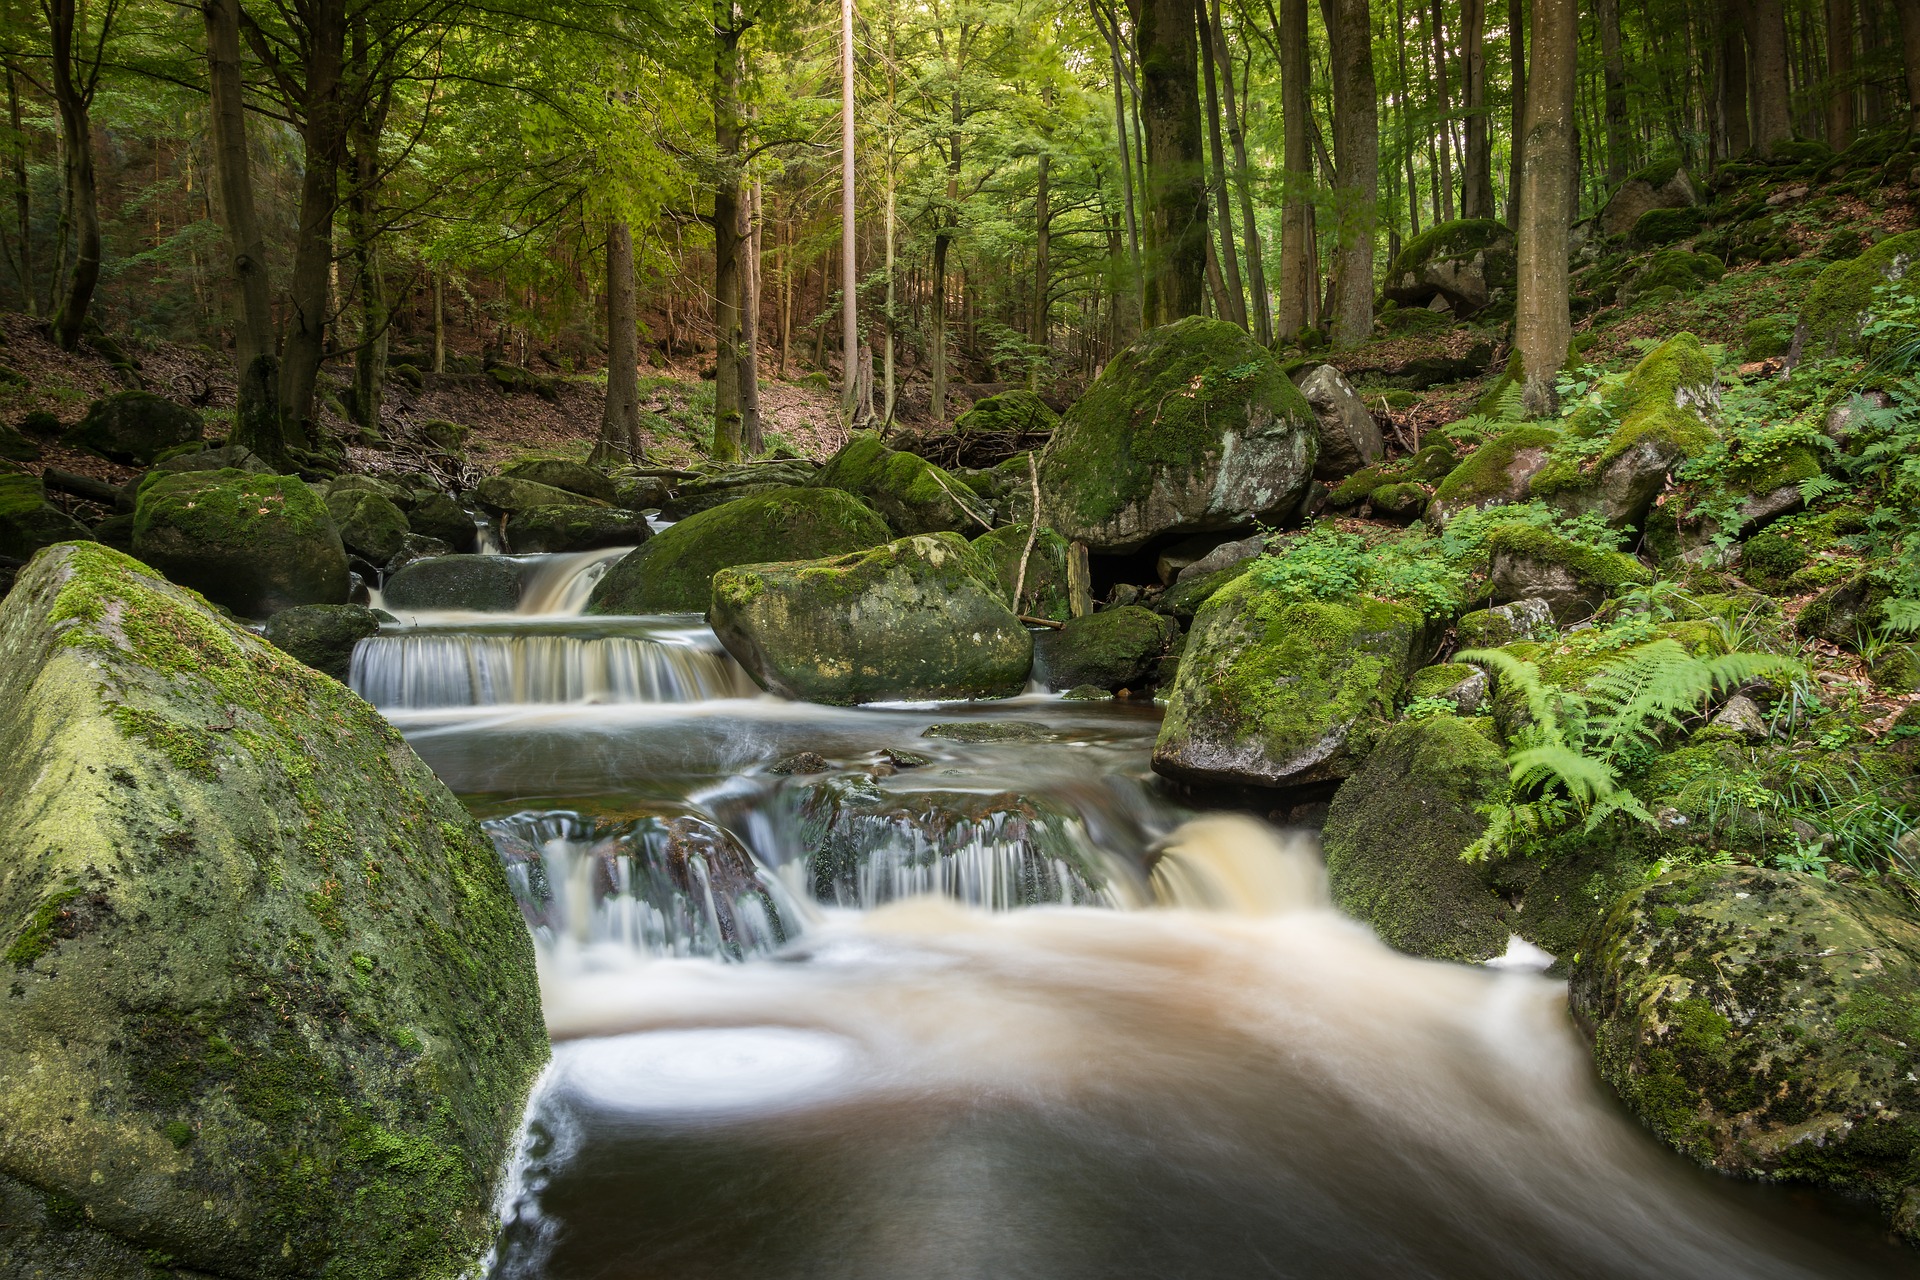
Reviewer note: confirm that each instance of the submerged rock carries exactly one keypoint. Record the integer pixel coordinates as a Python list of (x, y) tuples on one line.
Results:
[(673, 572), (914, 619), (270, 1010), (992, 731), (256, 544), (911, 493), (1766, 1024), (1271, 689), (1194, 428), (480, 584), (322, 635)]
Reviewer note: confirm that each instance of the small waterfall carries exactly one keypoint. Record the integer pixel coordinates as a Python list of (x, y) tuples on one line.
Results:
[(678, 886), (422, 670), (560, 584)]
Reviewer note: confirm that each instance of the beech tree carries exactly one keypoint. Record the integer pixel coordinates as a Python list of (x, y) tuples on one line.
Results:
[(1543, 325)]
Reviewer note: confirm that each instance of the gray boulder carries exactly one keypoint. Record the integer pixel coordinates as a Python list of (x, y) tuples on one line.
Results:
[(370, 524), (438, 515), (135, 427), (1573, 579), (573, 477), (479, 584), (1661, 186), (572, 528), (1349, 437), (254, 543), (322, 635), (1111, 649)]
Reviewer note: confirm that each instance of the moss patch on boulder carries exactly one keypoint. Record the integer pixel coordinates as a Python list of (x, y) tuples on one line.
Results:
[(1841, 301), (1017, 412), (135, 427), (1043, 593), (914, 495), (1495, 474), (29, 522), (1112, 649), (254, 543)]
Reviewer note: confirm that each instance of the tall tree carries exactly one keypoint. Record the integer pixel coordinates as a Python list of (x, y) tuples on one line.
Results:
[(1517, 107), (1543, 326), (1767, 42), (1296, 262), (233, 164), (1437, 31), (729, 132), (77, 55), (849, 239), (1736, 133), (1908, 12), (620, 417), (1476, 179), (1356, 143), (1250, 226), (1839, 73), (1176, 184), (1613, 68), (1226, 251)]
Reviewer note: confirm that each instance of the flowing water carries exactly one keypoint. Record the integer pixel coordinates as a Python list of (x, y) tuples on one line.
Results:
[(835, 998)]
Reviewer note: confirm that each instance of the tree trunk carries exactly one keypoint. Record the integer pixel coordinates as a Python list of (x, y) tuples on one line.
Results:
[(253, 327), (1476, 192), (1356, 141), (729, 125), (1908, 12), (620, 417), (1130, 323), (1542, 325), (22, 198), (1406, 130), (1177, 193), (1517, 69), (1614, 69), (323, 131), (370, 294), (1438, 38), (1839, 73), (941, 240), (1737, 135), (1296, 264), (849, 242), (1042, 266), (1250, 229), (1767, 38), (439, 322), (73, 96), (752, 433), (1225, 251)]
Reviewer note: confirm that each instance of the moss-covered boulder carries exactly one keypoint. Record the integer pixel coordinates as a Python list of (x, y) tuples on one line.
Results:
[(1574, 578), (135, 427), (1017, 412), (503, 495), (16, 447), (1349, 437), (1834, 316), (235, 456), (1043, 591), (28, 521), (322, 635), (1685, 273), (1494, 475), (1766, 1024), (914, 619), (573, 528), (1395, 832), (465, 583), (560, 473), (1661, 185), (440, 515), (1271, 689), (673, 572), (1467, 264), (370, 524), (1192, 429), (912, 494), (270, 1010), (1505, 624), (1848, 612), (254, 543), (1664, 226), (1631, 440), (717, 485), (1113, 649)]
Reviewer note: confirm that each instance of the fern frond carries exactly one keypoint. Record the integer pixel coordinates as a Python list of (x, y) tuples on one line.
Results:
[(1585, 778), (1648, 688), (1903, 614), (1816, 487), (1621, 801), (1511, 403), (1512, 672)]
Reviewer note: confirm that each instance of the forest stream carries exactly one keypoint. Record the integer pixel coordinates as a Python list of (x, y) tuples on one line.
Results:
[(836, 1048)]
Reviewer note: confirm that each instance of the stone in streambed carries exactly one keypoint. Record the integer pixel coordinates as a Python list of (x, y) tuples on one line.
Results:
[(256, 544), (1043, 592), (322, 635), (505, 494), (370, 524), (271, 1009), (477, 584), (911, 620), (914, 495), (573, 477), (1113, 649), (557, 529), (438, 515)]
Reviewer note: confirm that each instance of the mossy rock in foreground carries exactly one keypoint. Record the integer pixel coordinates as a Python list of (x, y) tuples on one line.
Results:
[(673, 572), (1195, 428), (255, 544), (1766, 1024), (915, 619), (1274, 691), (271, 1008)]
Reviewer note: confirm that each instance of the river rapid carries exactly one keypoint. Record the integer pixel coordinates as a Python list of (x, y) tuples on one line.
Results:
[(987, 1003)]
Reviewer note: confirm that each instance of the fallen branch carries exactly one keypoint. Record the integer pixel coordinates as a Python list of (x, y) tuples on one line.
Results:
[(1031, 621)]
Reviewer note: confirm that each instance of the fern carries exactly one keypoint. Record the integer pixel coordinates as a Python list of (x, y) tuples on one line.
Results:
[(1510, 404), (1903, 614), (1816, 487)]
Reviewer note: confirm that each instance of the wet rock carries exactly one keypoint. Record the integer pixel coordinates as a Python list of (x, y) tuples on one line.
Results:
[(438, 515), (573, 528), (135, 427), (29, 522), (1526, 619), (1271, 689), (1087, 693), (911, 493), (720, 485), (641, 493), (504, 494), (256, 934), (1574, 579), (1043, 592), (415, 546), (370, 524), (480, 584), (573, 477), (322, 635), (1194, 428), (1395, 832), (900, 759), (1763, 1023), (673, 572), (913, 619), (991, 731), (1349, 437), (1185, 598), (801, 762), (256, 544), (1112, 649)]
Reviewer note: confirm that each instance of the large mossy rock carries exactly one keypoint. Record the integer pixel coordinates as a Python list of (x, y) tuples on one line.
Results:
[(1835, 315), (1467, 264), (1014, 413), (1661, 185), (717, 485), (135, 427), (1111, 649), (256, 544), (1195, 428), (322, 635), (560, 473), (29, 522), (1271, 689), (270, 1010), (1766, 1024), (1574, 579), (1043, 591), (504, 495), (1495, 474), (551, 529), (370, 524), (915, 619), (467, 583), (912, 494), (439, 515), (673, 572), (1395, 832)]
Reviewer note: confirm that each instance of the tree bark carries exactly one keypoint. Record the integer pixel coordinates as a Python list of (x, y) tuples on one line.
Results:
[(1127, 321), (1767, 39), (1296, 264), (1177, 194), (620, 417), (73, 97), (439, 322), (253, 327), (1042, 264), (942, 240), (1839, 73), (1908, 12), (1614, 73), (1543, 326), (1476, 191), (849, 242), (1225, 250), (729, 125), (364, 132), (1736, 133), (1517, 68), (22, 196), (752, 432), (1438, 48), (1250, 228), (1356, 142)]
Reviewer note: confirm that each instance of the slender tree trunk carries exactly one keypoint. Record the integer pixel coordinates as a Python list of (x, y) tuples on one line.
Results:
[(849, 241), (1177, 200), (784, 252), (1130, 324), (620, 416), (1767, 38), (891, 319), (1873, 93), (22, 197), (1356, 140), (1476, 191), (1406, 127), (253, 327), (1839, 73), (1297, 272), (73, 96), (1738, 136), (1614, 70), (1908, 12), (1543, 326), (1227, 254), (729, 125), (1517, 70), (323, 131), (1250, 228), (1438, 37), (752, 433), (370, 354), (1042, 264), (942, 240), (439, 322)]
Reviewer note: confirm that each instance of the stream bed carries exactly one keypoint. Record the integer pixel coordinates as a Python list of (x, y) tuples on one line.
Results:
[(958, 991)]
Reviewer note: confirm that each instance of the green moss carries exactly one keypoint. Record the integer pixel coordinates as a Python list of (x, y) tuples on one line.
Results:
[(42, 929), (1486, 476), (1447, 240), (1660, 404), (1018, 411), (1658, 173), (1841, 300), (1609, 570), (913, 494), (1664, 226), (1043, 592), (1111, 649)]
